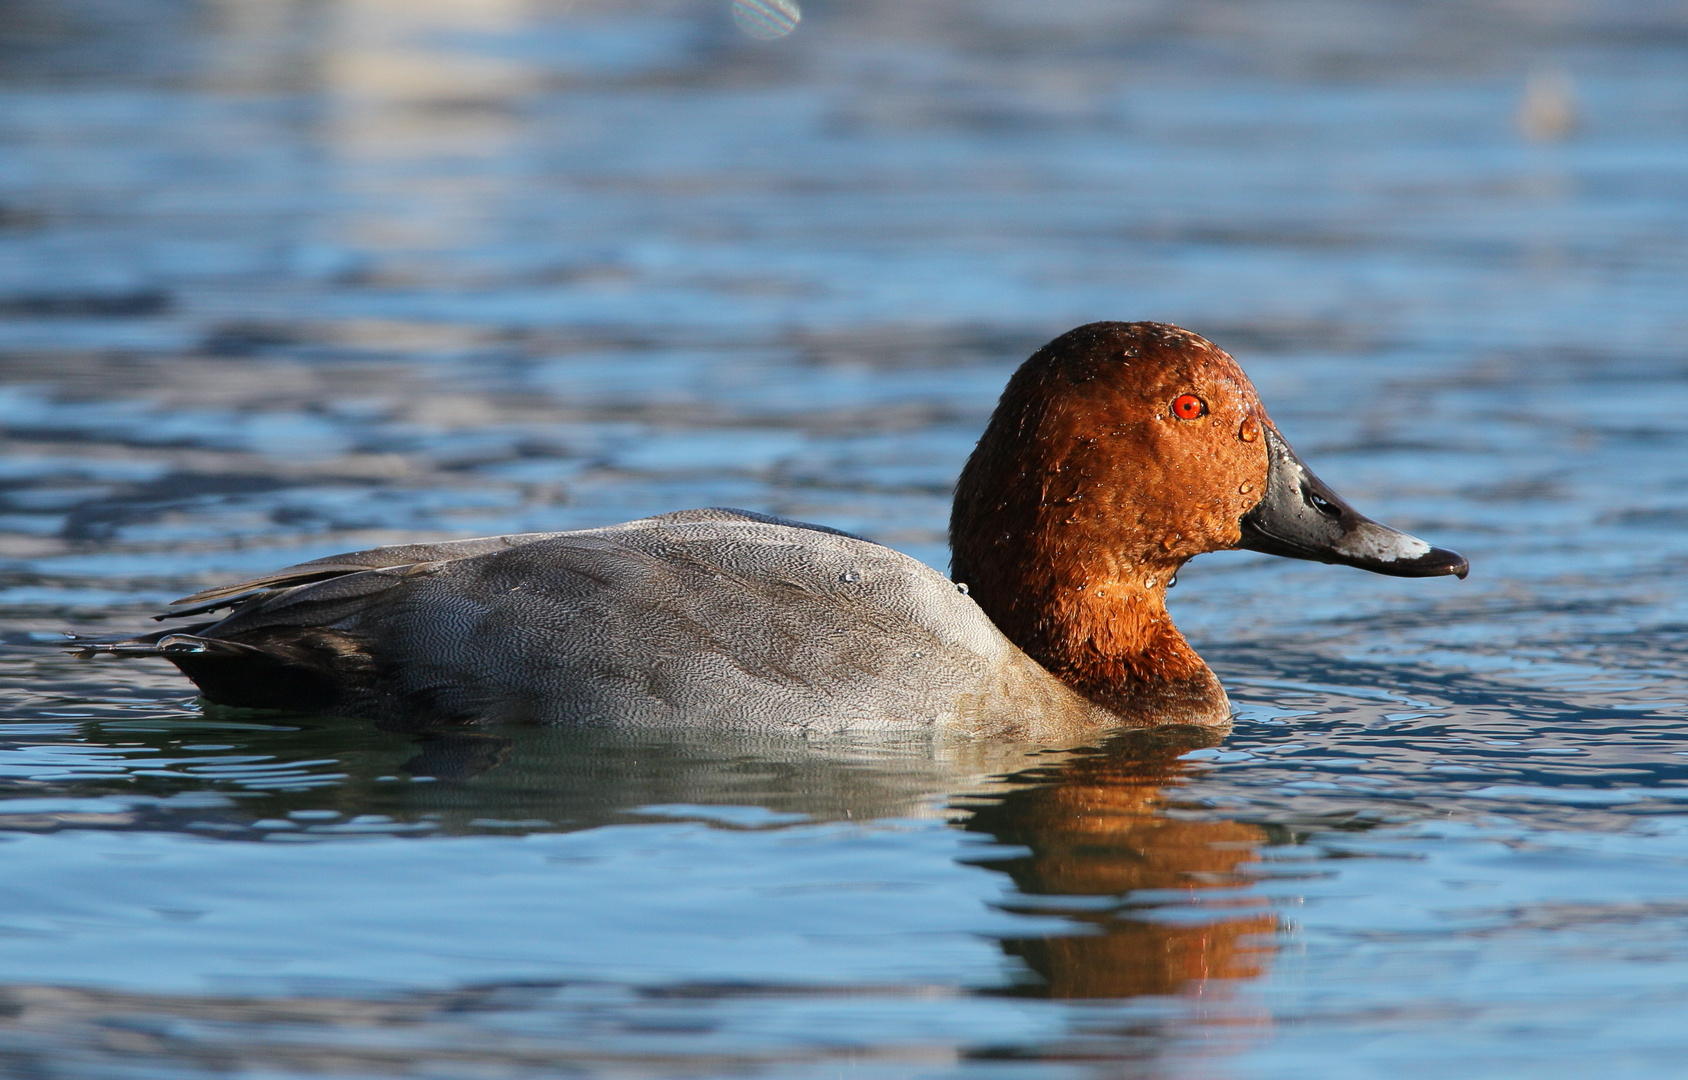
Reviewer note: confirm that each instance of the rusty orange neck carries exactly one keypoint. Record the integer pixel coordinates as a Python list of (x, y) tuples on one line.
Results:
[(1096, 619)]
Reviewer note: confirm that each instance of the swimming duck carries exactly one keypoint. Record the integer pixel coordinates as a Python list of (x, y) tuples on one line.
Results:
[(1118, 452)]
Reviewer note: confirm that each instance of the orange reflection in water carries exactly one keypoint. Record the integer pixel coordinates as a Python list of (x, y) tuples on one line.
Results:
[(1097, 826)]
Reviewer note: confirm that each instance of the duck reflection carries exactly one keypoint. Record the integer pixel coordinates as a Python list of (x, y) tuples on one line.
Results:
[(1154, 899), (584, 778), (1097, 826), (1159, 900)]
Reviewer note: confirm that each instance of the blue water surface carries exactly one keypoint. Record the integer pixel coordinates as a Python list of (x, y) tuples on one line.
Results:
[(281, 278)]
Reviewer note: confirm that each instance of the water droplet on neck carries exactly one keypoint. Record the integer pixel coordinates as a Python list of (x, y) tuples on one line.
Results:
[(961, 587), (1150, 583), (849, 575)]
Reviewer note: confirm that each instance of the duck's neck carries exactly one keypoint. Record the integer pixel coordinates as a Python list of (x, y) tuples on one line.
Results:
[(1095, 620), (1068, 568)]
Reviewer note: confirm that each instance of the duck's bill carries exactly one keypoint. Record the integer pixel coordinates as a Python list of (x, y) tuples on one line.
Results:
[(1301, 518)]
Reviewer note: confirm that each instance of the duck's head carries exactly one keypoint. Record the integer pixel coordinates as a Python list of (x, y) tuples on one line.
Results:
[(1118, 452)]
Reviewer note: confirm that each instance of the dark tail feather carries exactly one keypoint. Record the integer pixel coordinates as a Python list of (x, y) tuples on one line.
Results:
[(304, 674)]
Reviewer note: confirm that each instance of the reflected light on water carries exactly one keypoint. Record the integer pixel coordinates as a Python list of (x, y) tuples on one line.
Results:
[(767, 20), (1548, 110)]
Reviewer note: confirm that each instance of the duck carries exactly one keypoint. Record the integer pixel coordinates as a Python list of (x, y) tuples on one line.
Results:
[(1118, 452)]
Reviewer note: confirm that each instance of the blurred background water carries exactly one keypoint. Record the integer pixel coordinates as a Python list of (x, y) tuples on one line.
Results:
[(280, 278)]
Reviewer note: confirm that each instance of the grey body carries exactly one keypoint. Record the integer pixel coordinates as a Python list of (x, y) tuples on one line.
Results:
[(695, 619)]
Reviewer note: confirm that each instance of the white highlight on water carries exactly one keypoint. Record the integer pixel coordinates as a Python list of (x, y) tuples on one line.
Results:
[(767, 20)]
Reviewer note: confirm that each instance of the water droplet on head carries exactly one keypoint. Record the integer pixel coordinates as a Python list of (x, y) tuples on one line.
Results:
[(1250, 430), (1172, 582), (767, 20), (1246, 488)]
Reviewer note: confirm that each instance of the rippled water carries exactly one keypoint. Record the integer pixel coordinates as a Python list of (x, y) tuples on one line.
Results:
[(280, 279)]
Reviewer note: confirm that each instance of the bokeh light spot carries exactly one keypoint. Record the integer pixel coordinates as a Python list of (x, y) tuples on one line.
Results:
[(767, 20)]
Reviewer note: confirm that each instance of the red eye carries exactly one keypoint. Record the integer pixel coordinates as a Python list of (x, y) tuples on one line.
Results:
[(1188, 407)]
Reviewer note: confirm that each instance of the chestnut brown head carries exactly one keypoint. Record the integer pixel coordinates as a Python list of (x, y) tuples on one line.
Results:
[(1118, 452), (1139, 442)]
